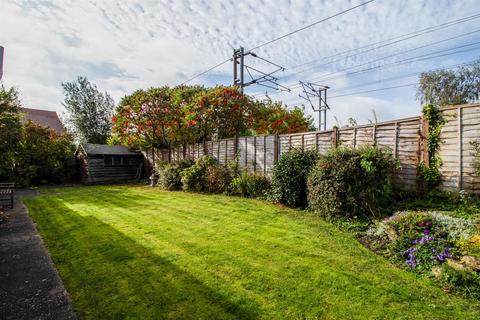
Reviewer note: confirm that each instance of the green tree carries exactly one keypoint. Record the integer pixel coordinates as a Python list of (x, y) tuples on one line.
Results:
[(89, 112), (10, 131), (449, 87)]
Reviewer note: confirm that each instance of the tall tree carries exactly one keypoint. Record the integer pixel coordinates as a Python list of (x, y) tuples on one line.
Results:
[(89, 111), (446, 87), (10, 131)]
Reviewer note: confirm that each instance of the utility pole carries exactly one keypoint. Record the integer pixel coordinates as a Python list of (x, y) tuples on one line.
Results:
[(238, 68), (256, 76), (312, 90)]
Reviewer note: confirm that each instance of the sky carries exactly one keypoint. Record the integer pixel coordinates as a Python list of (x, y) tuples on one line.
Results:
[(126, 45)]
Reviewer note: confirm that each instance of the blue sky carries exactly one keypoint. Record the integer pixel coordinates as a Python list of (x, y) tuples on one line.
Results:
[(126, 45)]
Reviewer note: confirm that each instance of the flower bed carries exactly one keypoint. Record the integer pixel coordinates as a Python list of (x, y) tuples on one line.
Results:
[(431, 244)]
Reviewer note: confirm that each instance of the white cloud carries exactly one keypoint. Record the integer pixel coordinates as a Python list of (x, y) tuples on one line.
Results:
[(125, 45)]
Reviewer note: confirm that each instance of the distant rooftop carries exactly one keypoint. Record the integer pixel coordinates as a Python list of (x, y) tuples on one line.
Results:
[(105, 149), (44, 118)]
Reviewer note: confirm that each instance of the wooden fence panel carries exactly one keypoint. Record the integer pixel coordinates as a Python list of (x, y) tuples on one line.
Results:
[(448, 151), (407, 152)]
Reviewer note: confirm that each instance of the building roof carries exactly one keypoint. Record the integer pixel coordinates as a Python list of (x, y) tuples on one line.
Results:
[(44, 118), (105, 149)]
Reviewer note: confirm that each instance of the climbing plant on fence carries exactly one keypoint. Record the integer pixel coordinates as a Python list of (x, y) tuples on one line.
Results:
[(430, 172)]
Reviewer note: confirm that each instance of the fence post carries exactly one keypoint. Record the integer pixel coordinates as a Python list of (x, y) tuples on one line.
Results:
[(395, 146), (354, 137), (246, 154), (303, 142), (316, 142), (423, 155), (460, 147), (264, 155), (374, 134), (226, 152), (335, 137), (205, 148), (235, 146), (276, 150), (254, 154)]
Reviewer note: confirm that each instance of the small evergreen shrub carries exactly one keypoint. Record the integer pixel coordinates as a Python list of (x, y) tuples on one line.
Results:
[(169, 174), (193, 178), (249, 185), (289, 179), (206, 175), (217, 179), (349, 182)]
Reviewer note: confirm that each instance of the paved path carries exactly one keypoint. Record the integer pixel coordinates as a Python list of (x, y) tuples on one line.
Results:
[(30, 287)]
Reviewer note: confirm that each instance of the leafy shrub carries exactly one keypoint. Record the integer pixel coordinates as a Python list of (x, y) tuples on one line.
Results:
[(206, 175), (350, 182), (217, 179), (249, 185), (169, 174), (289, 179)]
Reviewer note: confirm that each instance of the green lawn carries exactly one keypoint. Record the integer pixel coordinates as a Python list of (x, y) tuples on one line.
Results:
[(140, 253)]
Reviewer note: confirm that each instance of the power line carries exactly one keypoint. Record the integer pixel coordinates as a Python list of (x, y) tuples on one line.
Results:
[(281, 37), (208, 70), (311, 25), (366, 91), (393, 55), (373, 90), (431, 55), (400, 77), (395, 40)]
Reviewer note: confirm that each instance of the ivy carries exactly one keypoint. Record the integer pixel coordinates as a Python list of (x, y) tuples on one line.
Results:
[(431, 174)]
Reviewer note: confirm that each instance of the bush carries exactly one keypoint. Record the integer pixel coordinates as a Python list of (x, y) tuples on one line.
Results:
[(169, 174), (249, 185), (217, 179), (350, 182), (206, 175), (289, 179)]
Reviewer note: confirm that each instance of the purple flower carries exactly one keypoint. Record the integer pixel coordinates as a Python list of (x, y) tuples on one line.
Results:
[(425, 231)]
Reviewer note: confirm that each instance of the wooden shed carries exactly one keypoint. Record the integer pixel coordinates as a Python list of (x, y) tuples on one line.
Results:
[(104, 163)]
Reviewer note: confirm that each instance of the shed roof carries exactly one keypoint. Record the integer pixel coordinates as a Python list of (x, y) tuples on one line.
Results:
[(44, 118), (105, 149)]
